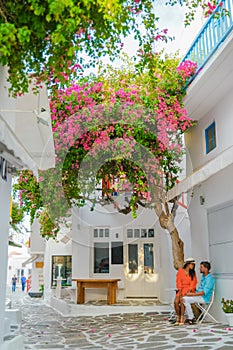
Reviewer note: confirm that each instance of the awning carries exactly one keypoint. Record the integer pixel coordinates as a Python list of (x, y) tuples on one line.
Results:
[(25, 130), (31, 259), (205, 172), (13, 150)]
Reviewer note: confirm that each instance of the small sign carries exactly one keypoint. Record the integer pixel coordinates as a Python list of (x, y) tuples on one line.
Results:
[(39, 264)]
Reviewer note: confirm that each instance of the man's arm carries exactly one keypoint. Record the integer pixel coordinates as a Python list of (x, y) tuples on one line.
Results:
[(195, 294)]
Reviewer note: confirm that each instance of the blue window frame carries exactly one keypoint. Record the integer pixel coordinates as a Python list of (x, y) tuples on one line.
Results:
[(210, 138)]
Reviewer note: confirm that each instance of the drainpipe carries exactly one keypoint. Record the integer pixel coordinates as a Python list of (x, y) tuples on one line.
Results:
[(5, 194)]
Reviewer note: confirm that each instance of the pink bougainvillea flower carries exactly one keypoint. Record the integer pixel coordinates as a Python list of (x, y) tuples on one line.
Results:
[(128, 118)]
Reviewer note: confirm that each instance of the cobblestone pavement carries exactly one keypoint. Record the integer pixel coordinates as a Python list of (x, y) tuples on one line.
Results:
[(44, 328)]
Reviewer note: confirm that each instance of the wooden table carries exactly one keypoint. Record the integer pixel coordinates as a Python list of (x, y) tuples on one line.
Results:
[(110, 284)]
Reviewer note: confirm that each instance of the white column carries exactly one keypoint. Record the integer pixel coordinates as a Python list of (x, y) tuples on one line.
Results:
[(59, 282), (5, 194), (59, 287)]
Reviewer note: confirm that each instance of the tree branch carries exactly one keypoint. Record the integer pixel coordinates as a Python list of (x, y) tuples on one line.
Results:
[(2, 13), (175, 206)]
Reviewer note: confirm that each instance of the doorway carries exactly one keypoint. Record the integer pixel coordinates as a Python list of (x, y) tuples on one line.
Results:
[(141, 279)]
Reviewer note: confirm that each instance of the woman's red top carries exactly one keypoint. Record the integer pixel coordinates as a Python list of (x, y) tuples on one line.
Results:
[(184, 282)]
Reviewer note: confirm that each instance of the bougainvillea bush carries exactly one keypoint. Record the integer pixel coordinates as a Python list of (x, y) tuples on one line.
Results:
[(17, 215), (125, 126)]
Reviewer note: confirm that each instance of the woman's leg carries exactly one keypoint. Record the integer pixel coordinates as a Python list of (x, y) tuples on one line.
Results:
[(182, 311), (177, 309)]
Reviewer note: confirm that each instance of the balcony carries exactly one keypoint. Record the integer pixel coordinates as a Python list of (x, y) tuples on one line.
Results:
[(212, 50), (211, 36)]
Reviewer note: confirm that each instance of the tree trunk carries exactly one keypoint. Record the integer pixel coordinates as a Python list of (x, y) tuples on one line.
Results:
[(166, 221), (177, 249)]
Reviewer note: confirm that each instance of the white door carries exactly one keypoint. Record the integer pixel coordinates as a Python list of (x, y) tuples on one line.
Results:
[(141, 279)]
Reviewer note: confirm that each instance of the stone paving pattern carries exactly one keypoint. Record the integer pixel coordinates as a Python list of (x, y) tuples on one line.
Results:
[(44, 328)]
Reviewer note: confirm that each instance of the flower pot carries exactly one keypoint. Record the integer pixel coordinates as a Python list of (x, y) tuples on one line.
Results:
[(35, 294), (229, 317)]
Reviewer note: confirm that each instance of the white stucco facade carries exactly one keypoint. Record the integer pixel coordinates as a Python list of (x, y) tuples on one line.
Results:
[(153, 278), (209, 182), (24, 144), (16, 258), (140, 284)]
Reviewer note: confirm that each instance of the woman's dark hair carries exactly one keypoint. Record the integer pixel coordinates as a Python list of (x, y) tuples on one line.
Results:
[(191, 271)]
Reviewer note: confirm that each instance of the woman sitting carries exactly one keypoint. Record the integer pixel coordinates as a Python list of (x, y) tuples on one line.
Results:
[(186, 281)]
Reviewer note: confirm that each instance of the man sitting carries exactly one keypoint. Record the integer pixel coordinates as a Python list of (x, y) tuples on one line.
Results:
[(203, 292)]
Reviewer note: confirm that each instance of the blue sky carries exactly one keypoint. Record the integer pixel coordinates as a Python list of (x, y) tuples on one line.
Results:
[(171, 18)]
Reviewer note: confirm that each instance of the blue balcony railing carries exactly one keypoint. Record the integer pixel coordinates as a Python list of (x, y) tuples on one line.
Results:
[(211, 37)]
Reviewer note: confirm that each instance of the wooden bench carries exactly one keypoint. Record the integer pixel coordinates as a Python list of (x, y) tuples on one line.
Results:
[(110, 284)]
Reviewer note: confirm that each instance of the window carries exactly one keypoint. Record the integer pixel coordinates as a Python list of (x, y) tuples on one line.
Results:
[(109, 186), (101, 232), (151, 232), (64, 264), (117, 253), (140, 233), (133, 258), (143, 233), (106, 232), (210, 138), (129, 233), (101, 257), (20, 273), (148, 258), (101, 249)]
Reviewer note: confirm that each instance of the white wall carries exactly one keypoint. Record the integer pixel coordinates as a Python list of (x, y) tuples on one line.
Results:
[(210, 98), (218, 193), (195, 137), (5, 192), (53, 248), (37, 242), (37, 278), (16, 257), (6, 102), (46, 249), (37, 248), (83, 221)]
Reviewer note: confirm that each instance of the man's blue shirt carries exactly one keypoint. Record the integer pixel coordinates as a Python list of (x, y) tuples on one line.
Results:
[(23, 279), (207, 286)]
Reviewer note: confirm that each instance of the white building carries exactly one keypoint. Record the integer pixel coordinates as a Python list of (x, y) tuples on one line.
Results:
[(209, 101), (16, 258), (25, 143), (103, 244), (107, 244)]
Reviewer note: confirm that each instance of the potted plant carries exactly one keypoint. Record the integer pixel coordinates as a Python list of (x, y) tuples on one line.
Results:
[(227, 306), (37, 294)]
